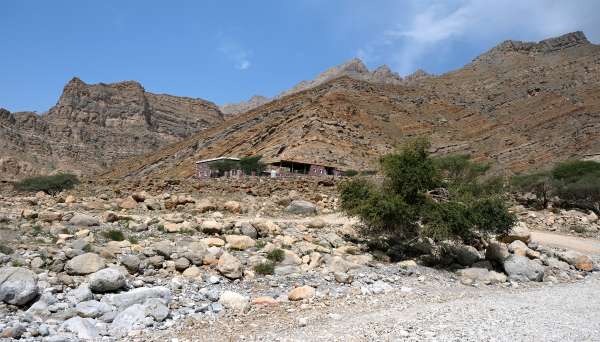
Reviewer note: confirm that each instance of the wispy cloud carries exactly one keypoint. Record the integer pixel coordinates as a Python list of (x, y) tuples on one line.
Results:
[(434, 24), (234, 51)]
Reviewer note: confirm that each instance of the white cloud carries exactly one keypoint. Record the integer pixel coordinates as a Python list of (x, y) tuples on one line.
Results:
[(434, 24), (234, 52)]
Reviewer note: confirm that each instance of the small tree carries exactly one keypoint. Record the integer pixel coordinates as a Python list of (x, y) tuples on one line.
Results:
[(225, 165), (252, 164), (540, 184), (51, 185), (403, 208)]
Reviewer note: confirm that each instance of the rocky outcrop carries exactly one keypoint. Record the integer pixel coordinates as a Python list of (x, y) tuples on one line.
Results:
[(93, 126)]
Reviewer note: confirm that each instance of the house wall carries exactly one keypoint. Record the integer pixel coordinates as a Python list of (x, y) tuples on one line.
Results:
[(203, 171), (317, 170)]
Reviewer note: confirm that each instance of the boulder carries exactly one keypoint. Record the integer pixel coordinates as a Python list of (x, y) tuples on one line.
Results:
[(195, 252), (192, 272), (465, 255), (84, 220), (204, 205), (84, 328), (266, 228), (92, 309), (18, 285), (290, 258), (129, 319), (181, 264), (239, 242), (50, 216), (316, 223), (518, 232), (518, 247), (214, 241), (80, 294), (581, 262), (163, 248), (248, 229), (107, 280), (128, 203), (496, 251), (131, 263), (522, 269), (302, 292), (156, 308), (229, 266), (482, 275), (234, 301), (137, 296), (85, 264), (301, 207), (233, 207), (211, 227)]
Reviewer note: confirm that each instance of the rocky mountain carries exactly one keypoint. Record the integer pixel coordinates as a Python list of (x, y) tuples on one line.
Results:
[(93, 126), (354, 68), (244, 106), (520, 106)]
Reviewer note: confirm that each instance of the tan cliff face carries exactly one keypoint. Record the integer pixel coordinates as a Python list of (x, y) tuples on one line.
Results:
[(93, 126), (520, 107)]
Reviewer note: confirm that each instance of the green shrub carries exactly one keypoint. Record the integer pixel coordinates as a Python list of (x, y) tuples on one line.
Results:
[(252, 164), (51, 185), (276, 255), (575, 182), (574, 170), (421, 196), (222, 166), (260, 244), (4, 249), (36, 230), (114, 235), (264, 268), (133, 240)]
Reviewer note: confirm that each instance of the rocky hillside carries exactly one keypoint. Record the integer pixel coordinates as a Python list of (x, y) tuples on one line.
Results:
[(354, 68), (521, 106), (93, 126)]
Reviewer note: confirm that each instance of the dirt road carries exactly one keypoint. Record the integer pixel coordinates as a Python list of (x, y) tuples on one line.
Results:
[(583, 245)]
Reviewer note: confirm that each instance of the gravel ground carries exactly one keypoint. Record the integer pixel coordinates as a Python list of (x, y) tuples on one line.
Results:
[(567, 312), (431, 310)]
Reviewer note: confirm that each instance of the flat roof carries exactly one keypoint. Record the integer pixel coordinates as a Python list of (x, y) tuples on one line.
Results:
[(215, 159), (274, 161)]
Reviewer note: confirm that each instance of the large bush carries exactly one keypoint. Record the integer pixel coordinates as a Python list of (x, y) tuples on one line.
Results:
[(576, 183), (421, 196), (48, 184)]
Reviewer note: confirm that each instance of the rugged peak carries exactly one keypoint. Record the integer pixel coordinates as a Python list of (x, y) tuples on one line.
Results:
[(565, 41), (550, 45), (383, 74), (354, 65), (75, 83), (418, 75)]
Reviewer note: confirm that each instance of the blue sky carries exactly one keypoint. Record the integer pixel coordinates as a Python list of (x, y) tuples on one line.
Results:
[(226, 51)]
